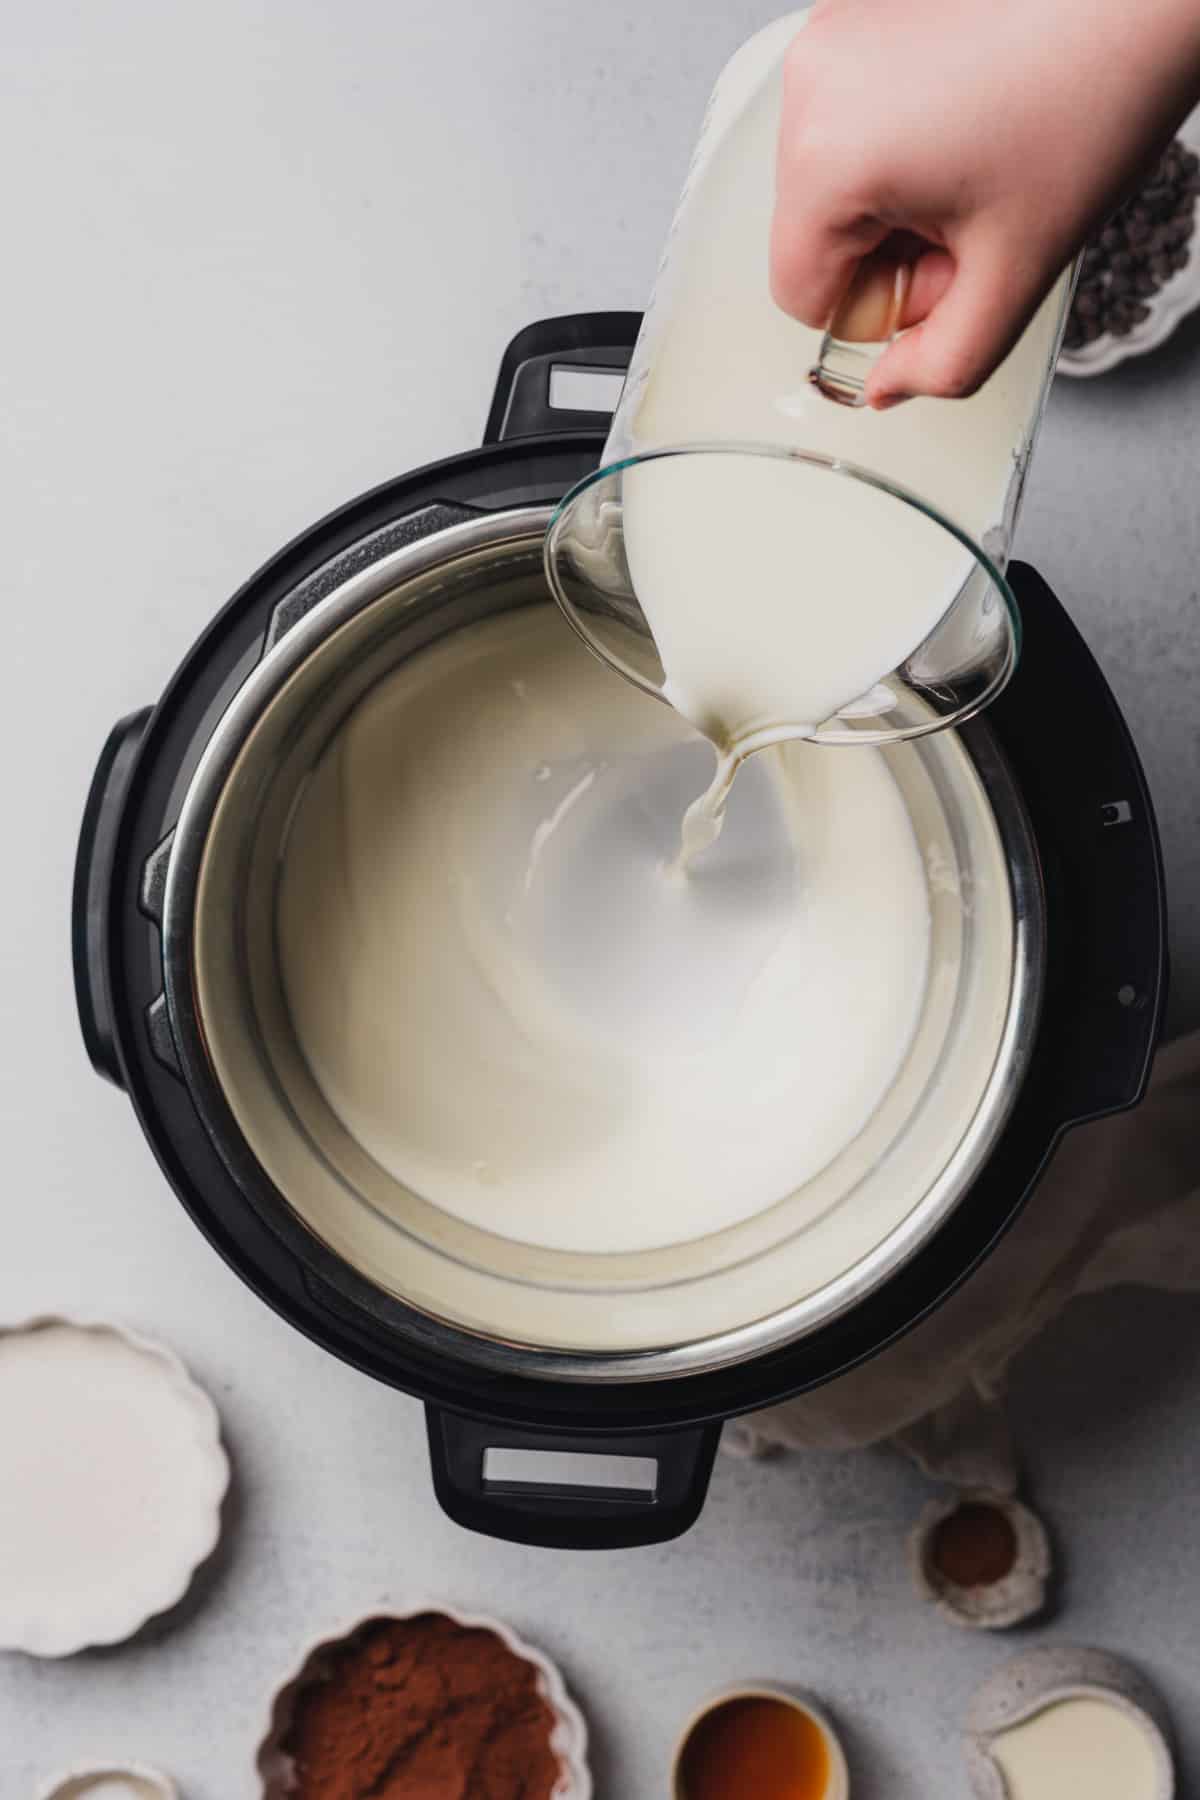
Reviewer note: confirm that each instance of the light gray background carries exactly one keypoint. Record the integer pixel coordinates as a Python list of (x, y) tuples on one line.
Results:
[(256, 258)]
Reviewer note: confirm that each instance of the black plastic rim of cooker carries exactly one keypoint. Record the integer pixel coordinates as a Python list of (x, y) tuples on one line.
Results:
[(1074, 763)]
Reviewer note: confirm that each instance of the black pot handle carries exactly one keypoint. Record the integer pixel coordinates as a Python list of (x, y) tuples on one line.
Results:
[(514, 1484), (1076, 762), (601, 343), (92, 887)]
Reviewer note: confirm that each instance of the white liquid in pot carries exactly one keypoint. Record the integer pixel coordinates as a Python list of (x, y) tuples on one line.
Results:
[(523, 1016)]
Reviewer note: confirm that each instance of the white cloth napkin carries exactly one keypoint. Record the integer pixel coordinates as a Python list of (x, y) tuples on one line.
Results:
[(1120, 1203)]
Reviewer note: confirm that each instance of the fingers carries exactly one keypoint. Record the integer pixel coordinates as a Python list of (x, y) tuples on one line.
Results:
[(985, 303), (819, 233), (814, 260), (869, 310), (932, 273), (865, 310)]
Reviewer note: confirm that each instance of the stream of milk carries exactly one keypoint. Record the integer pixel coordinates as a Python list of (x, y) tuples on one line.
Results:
[(778, 593)]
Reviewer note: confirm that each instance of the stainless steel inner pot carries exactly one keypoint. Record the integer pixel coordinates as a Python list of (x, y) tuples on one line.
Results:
[(479, 1296)]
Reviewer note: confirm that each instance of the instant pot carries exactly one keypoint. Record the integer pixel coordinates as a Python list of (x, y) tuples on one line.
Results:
[(559, 1433)]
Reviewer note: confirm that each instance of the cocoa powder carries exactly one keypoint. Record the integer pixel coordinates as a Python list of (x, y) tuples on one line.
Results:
[(423, 1709)]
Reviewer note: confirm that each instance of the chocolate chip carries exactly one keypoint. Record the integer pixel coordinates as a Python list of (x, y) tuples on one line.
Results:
[(1138, 250)]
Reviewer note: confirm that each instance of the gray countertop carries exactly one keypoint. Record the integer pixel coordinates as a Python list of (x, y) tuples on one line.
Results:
[(260, 256)]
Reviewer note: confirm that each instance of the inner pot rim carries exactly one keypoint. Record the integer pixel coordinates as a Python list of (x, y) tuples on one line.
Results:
[(522, 530)]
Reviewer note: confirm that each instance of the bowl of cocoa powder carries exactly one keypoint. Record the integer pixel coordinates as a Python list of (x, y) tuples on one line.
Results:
[(431, 1702)]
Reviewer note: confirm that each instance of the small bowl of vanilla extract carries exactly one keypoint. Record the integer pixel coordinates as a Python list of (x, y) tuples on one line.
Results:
[(760, 1740)]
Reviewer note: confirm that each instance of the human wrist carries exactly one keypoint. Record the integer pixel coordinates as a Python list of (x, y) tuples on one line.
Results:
[(1163, 38)]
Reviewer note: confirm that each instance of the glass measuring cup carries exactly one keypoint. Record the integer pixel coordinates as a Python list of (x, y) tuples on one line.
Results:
[(900, 663), (722, 381)]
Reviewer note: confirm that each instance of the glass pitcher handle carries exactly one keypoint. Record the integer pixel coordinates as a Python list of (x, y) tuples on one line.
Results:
[(844, 363)]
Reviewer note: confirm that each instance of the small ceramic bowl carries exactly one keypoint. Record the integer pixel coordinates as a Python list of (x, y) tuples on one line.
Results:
[(992, 1605), (111, 1781), (115, 1480), (1037, 1679), (1173, 301), (568, 1739), (838, 1784)]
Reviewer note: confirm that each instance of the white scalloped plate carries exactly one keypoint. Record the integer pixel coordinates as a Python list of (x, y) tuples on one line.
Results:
[(132, 1781), (1173, 302), (569, 1738), (115, 1476)]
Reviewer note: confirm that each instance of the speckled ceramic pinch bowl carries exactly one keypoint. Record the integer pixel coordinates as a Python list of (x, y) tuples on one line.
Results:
[(994, 1605), (568, 1739), (1038, 1679)]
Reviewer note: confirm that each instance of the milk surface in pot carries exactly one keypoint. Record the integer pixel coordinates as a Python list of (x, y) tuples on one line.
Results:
[(521, 1018)]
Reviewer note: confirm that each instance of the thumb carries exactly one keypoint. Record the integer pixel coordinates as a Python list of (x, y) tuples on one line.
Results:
[(967, 333)]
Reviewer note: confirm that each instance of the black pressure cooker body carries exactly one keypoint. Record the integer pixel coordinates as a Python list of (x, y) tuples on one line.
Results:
[(1071, 759)]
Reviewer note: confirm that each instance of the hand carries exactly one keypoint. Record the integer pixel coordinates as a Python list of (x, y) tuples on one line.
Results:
[(996, 132)]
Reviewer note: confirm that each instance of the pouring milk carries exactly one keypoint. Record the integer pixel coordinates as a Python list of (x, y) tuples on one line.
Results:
[(496, 802), (780, 596)]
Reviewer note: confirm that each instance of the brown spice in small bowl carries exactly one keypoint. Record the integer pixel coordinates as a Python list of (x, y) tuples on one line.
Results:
[(983, 1559), (974, 1546), (423, 1709)]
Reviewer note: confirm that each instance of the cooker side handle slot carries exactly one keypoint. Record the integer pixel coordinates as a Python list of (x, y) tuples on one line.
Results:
[(585, 355), (90, 898), (569, 1490)]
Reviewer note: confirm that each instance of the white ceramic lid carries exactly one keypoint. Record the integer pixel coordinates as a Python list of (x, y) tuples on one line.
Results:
[(114, 1477)]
